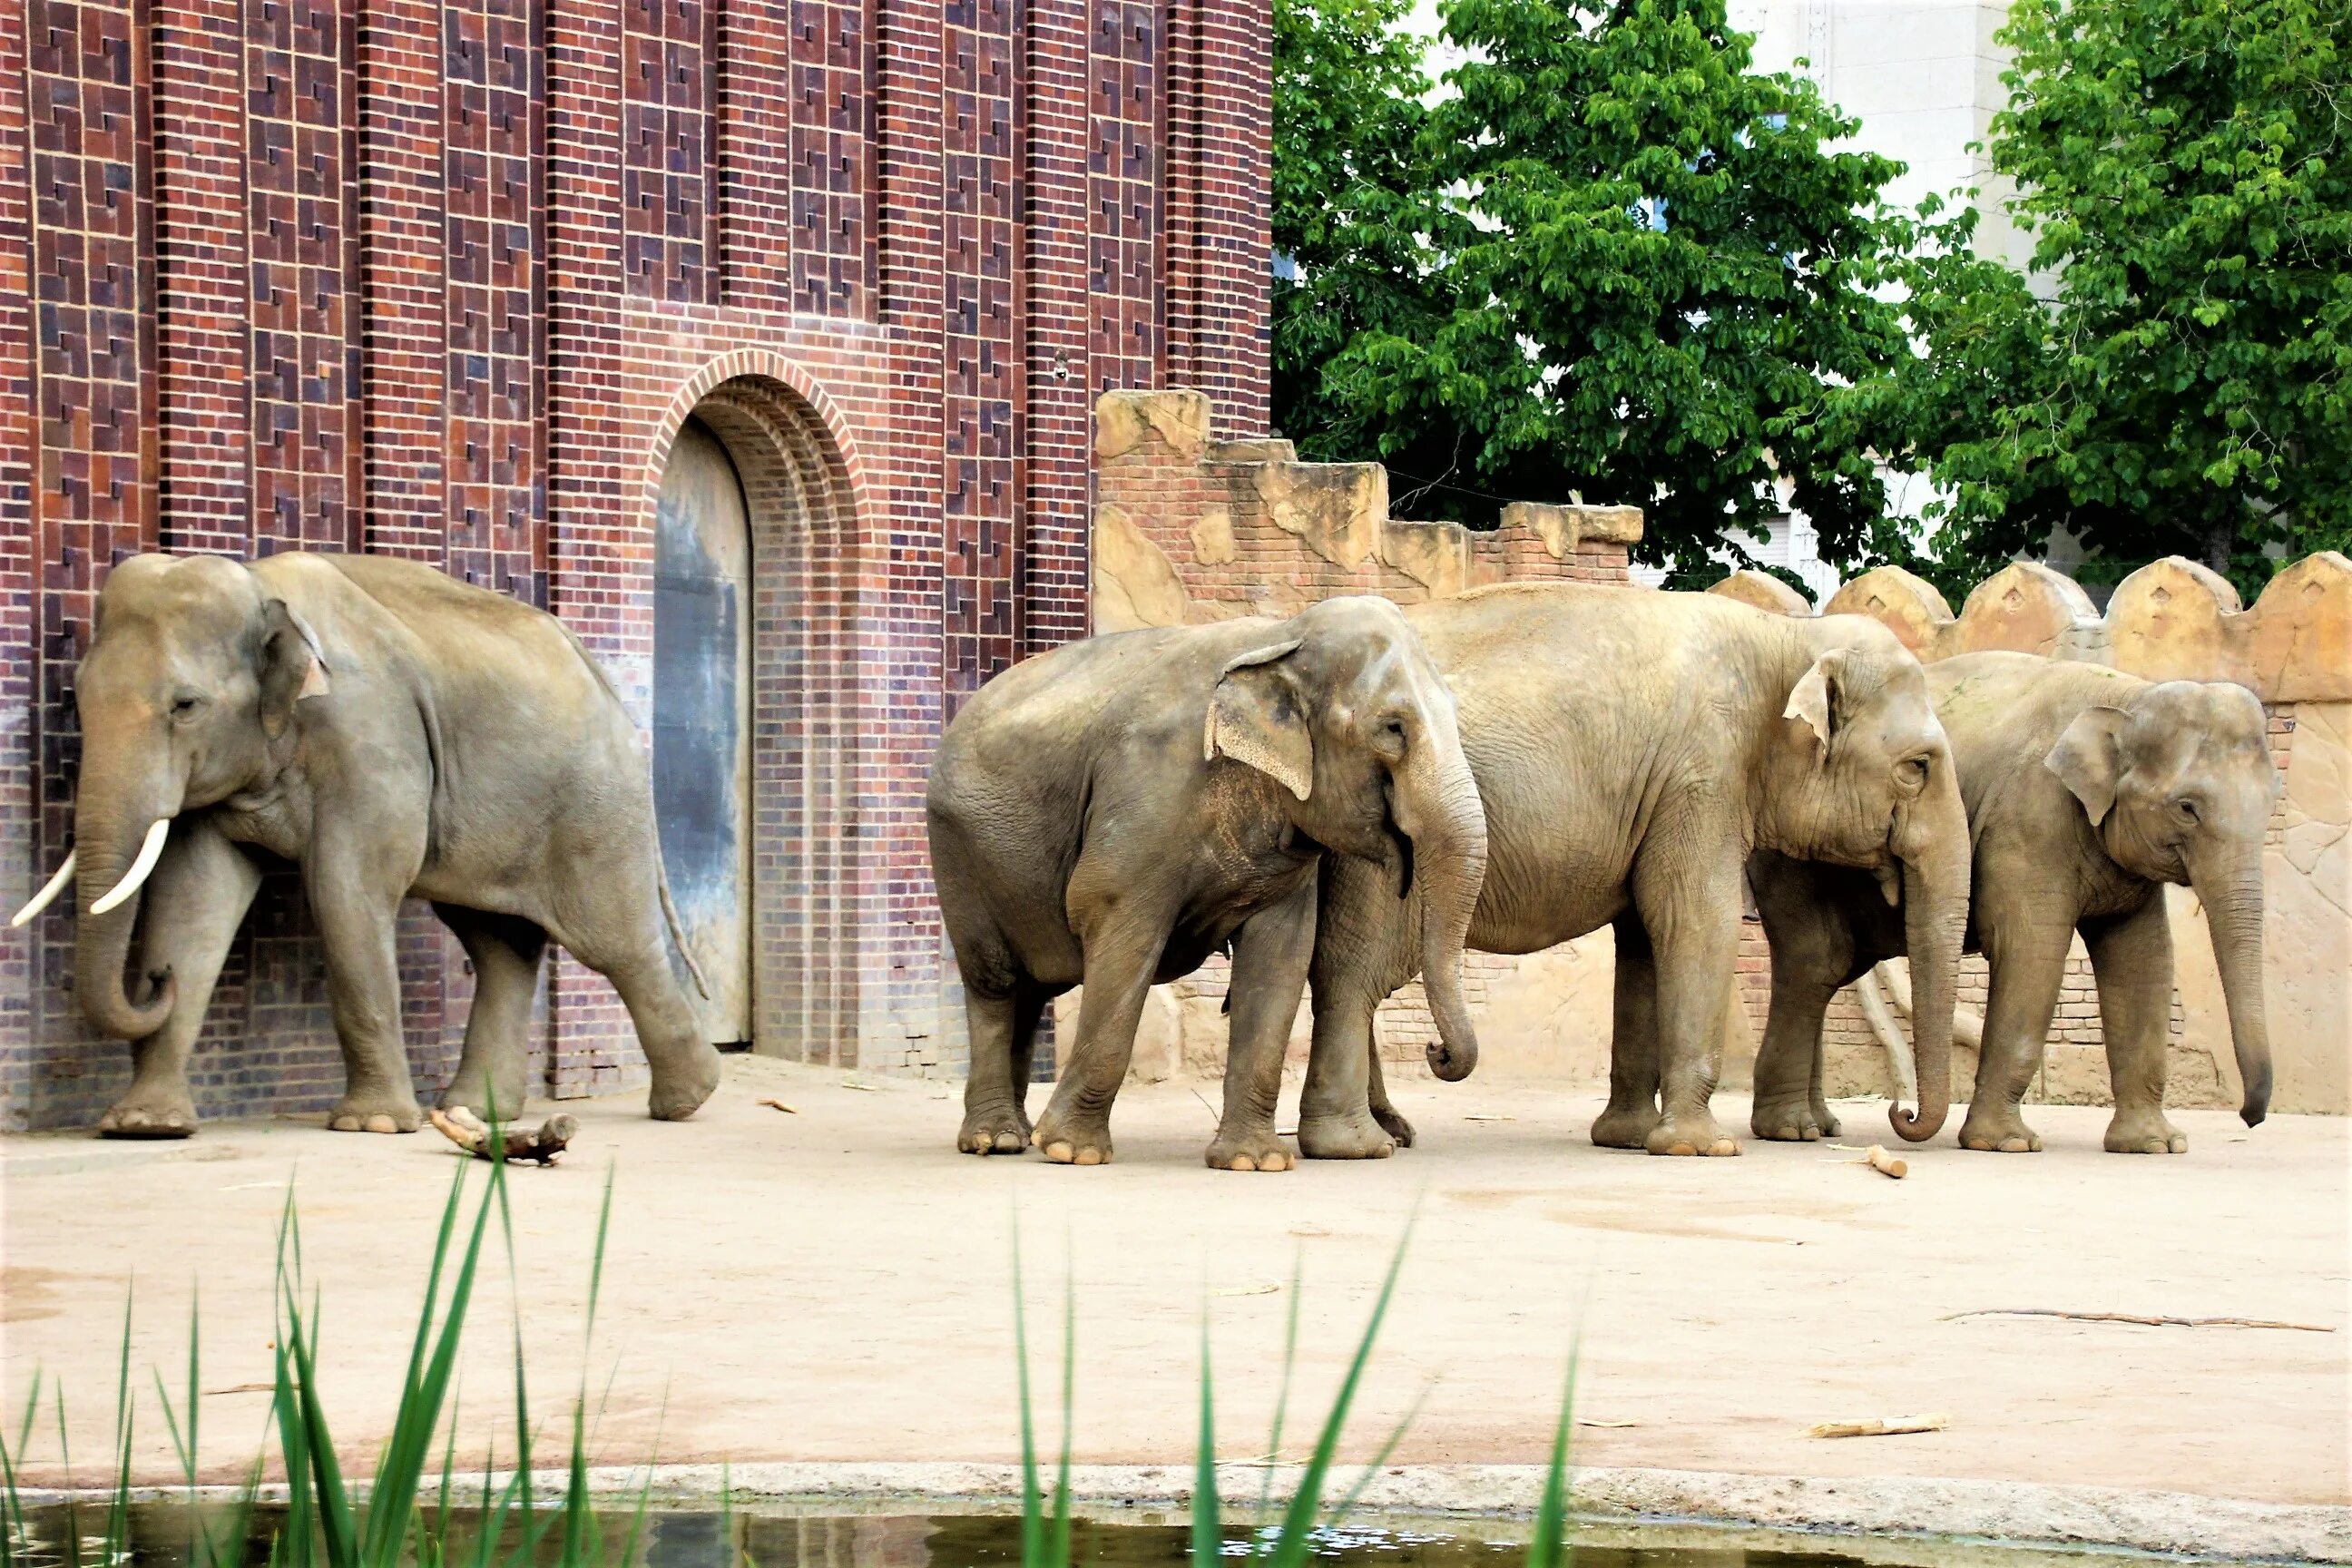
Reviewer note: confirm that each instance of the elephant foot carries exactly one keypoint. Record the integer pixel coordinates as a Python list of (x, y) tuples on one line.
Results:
[(1624, 1127), (1347, 1136), (375, 1113), (1003, 1132), (1249, 1150), (1787, 1121), (1697, 1134), (2145, 1132), (1394, 1124), (1999, 1132), (1824, 1118), (473, 1093), (160, 1114), (679, 1092), (1071, 1141)]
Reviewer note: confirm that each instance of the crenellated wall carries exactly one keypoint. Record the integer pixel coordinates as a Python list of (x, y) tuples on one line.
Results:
[(2172, 620)]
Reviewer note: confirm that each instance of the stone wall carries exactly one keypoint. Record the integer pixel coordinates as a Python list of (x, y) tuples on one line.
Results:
[(2172, 620)]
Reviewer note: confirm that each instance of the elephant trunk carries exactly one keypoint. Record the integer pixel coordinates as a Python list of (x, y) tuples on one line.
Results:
[(1934, 928), (108, 842), (1449, 834), (2232, 898)]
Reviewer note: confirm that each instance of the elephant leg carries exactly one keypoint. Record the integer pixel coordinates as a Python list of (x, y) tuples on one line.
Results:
[(1358, 930), (1120, 959), (996, 1085), (1376, 1096), (2026, 964), (505, 951), (1689, 903), (620, 934), (1271, 954), (357, 917), (1632, 1109), (193, 905), (2132, 958)]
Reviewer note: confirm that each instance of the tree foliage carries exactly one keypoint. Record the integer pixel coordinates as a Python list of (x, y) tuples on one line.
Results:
[(2178, 379), (1612, 259)]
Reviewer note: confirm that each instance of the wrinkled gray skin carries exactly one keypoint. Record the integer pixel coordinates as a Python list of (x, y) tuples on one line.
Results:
[(1114, 812), (2087, 790), (441, 742), (1631, 749)]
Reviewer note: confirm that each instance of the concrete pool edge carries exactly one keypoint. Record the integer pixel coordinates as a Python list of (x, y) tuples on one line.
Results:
[(2008, 1512)]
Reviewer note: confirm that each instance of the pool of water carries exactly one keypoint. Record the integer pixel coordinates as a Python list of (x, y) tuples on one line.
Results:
[(906, 1535)]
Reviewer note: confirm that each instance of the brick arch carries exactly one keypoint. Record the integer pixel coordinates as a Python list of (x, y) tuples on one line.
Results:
[(800, 493)]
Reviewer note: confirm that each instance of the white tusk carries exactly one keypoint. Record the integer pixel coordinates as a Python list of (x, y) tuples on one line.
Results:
[(149, 853), (48, 895)]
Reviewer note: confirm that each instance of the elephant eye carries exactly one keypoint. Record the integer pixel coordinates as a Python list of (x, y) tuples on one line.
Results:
[(185, 704), (2186, 808), (1912, 771)]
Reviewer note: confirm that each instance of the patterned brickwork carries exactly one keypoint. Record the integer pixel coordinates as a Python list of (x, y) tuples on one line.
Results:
[(981, 401), (666, 136), (301, 379), (441, 278)]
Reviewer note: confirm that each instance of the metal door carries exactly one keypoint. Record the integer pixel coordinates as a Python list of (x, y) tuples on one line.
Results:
[(702, 718)]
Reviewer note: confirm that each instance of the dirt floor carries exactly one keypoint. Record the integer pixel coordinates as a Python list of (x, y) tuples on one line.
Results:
[(836, 1284)]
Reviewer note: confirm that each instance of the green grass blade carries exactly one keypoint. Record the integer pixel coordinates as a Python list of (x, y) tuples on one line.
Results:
[(400, 1472), (1295, 1539), (1060, 1546), (14, 1536), (118, 1506), (1208, 1522), (1282, 1399), (338, 1526), (578, 1515), (1396, 1435), (1548, 1547), (1033, 1511)]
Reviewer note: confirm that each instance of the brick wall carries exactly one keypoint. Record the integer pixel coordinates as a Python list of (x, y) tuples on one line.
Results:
[(442, 277)]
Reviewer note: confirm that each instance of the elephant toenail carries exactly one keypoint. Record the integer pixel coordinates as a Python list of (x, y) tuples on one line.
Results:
[(1089, 1157), (1241, 1163), (1058, 1153)]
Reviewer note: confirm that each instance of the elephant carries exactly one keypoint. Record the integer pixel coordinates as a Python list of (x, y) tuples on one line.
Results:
[(1631, 748), (2087, 790), (1113, 812), (392, 733)]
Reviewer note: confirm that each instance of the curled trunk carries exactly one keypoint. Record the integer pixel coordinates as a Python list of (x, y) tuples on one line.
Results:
[(2233, 914), (102, 942), (1448, 827), (1934, 928)]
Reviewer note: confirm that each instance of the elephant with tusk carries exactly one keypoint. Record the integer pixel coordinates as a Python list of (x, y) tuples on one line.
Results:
[(392, 733), (2087, 790)]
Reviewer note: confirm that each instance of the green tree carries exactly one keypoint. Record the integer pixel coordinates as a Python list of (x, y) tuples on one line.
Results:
[(1351, 198), (1619, 261), (2185, 384)]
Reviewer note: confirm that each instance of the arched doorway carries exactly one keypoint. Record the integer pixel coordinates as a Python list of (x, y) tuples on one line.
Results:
[(702, 718)]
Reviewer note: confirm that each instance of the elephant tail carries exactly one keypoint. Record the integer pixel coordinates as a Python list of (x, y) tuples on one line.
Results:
[(677, 931)]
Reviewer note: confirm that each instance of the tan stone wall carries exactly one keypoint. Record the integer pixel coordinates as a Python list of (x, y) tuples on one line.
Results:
[(2170, 620)]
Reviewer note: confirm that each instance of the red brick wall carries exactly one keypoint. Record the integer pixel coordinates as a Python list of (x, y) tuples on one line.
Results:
[(442, 277)]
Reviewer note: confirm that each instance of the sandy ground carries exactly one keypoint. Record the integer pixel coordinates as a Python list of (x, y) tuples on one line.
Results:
[(836, 1285)]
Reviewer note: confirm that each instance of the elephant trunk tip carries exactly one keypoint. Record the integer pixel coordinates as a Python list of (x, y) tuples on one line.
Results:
[(2255, 1109), (1452, 1063), (1915, 1126)]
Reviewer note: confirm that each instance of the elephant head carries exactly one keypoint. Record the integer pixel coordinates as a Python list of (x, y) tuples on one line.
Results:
[(2178, 784), (1344, 709), (186, 696), (1862, 776)]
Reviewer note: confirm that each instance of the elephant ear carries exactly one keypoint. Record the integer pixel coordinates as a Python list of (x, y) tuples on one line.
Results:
[(292, 665), (1256, 717), (1814, 697), (2089, 759)]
